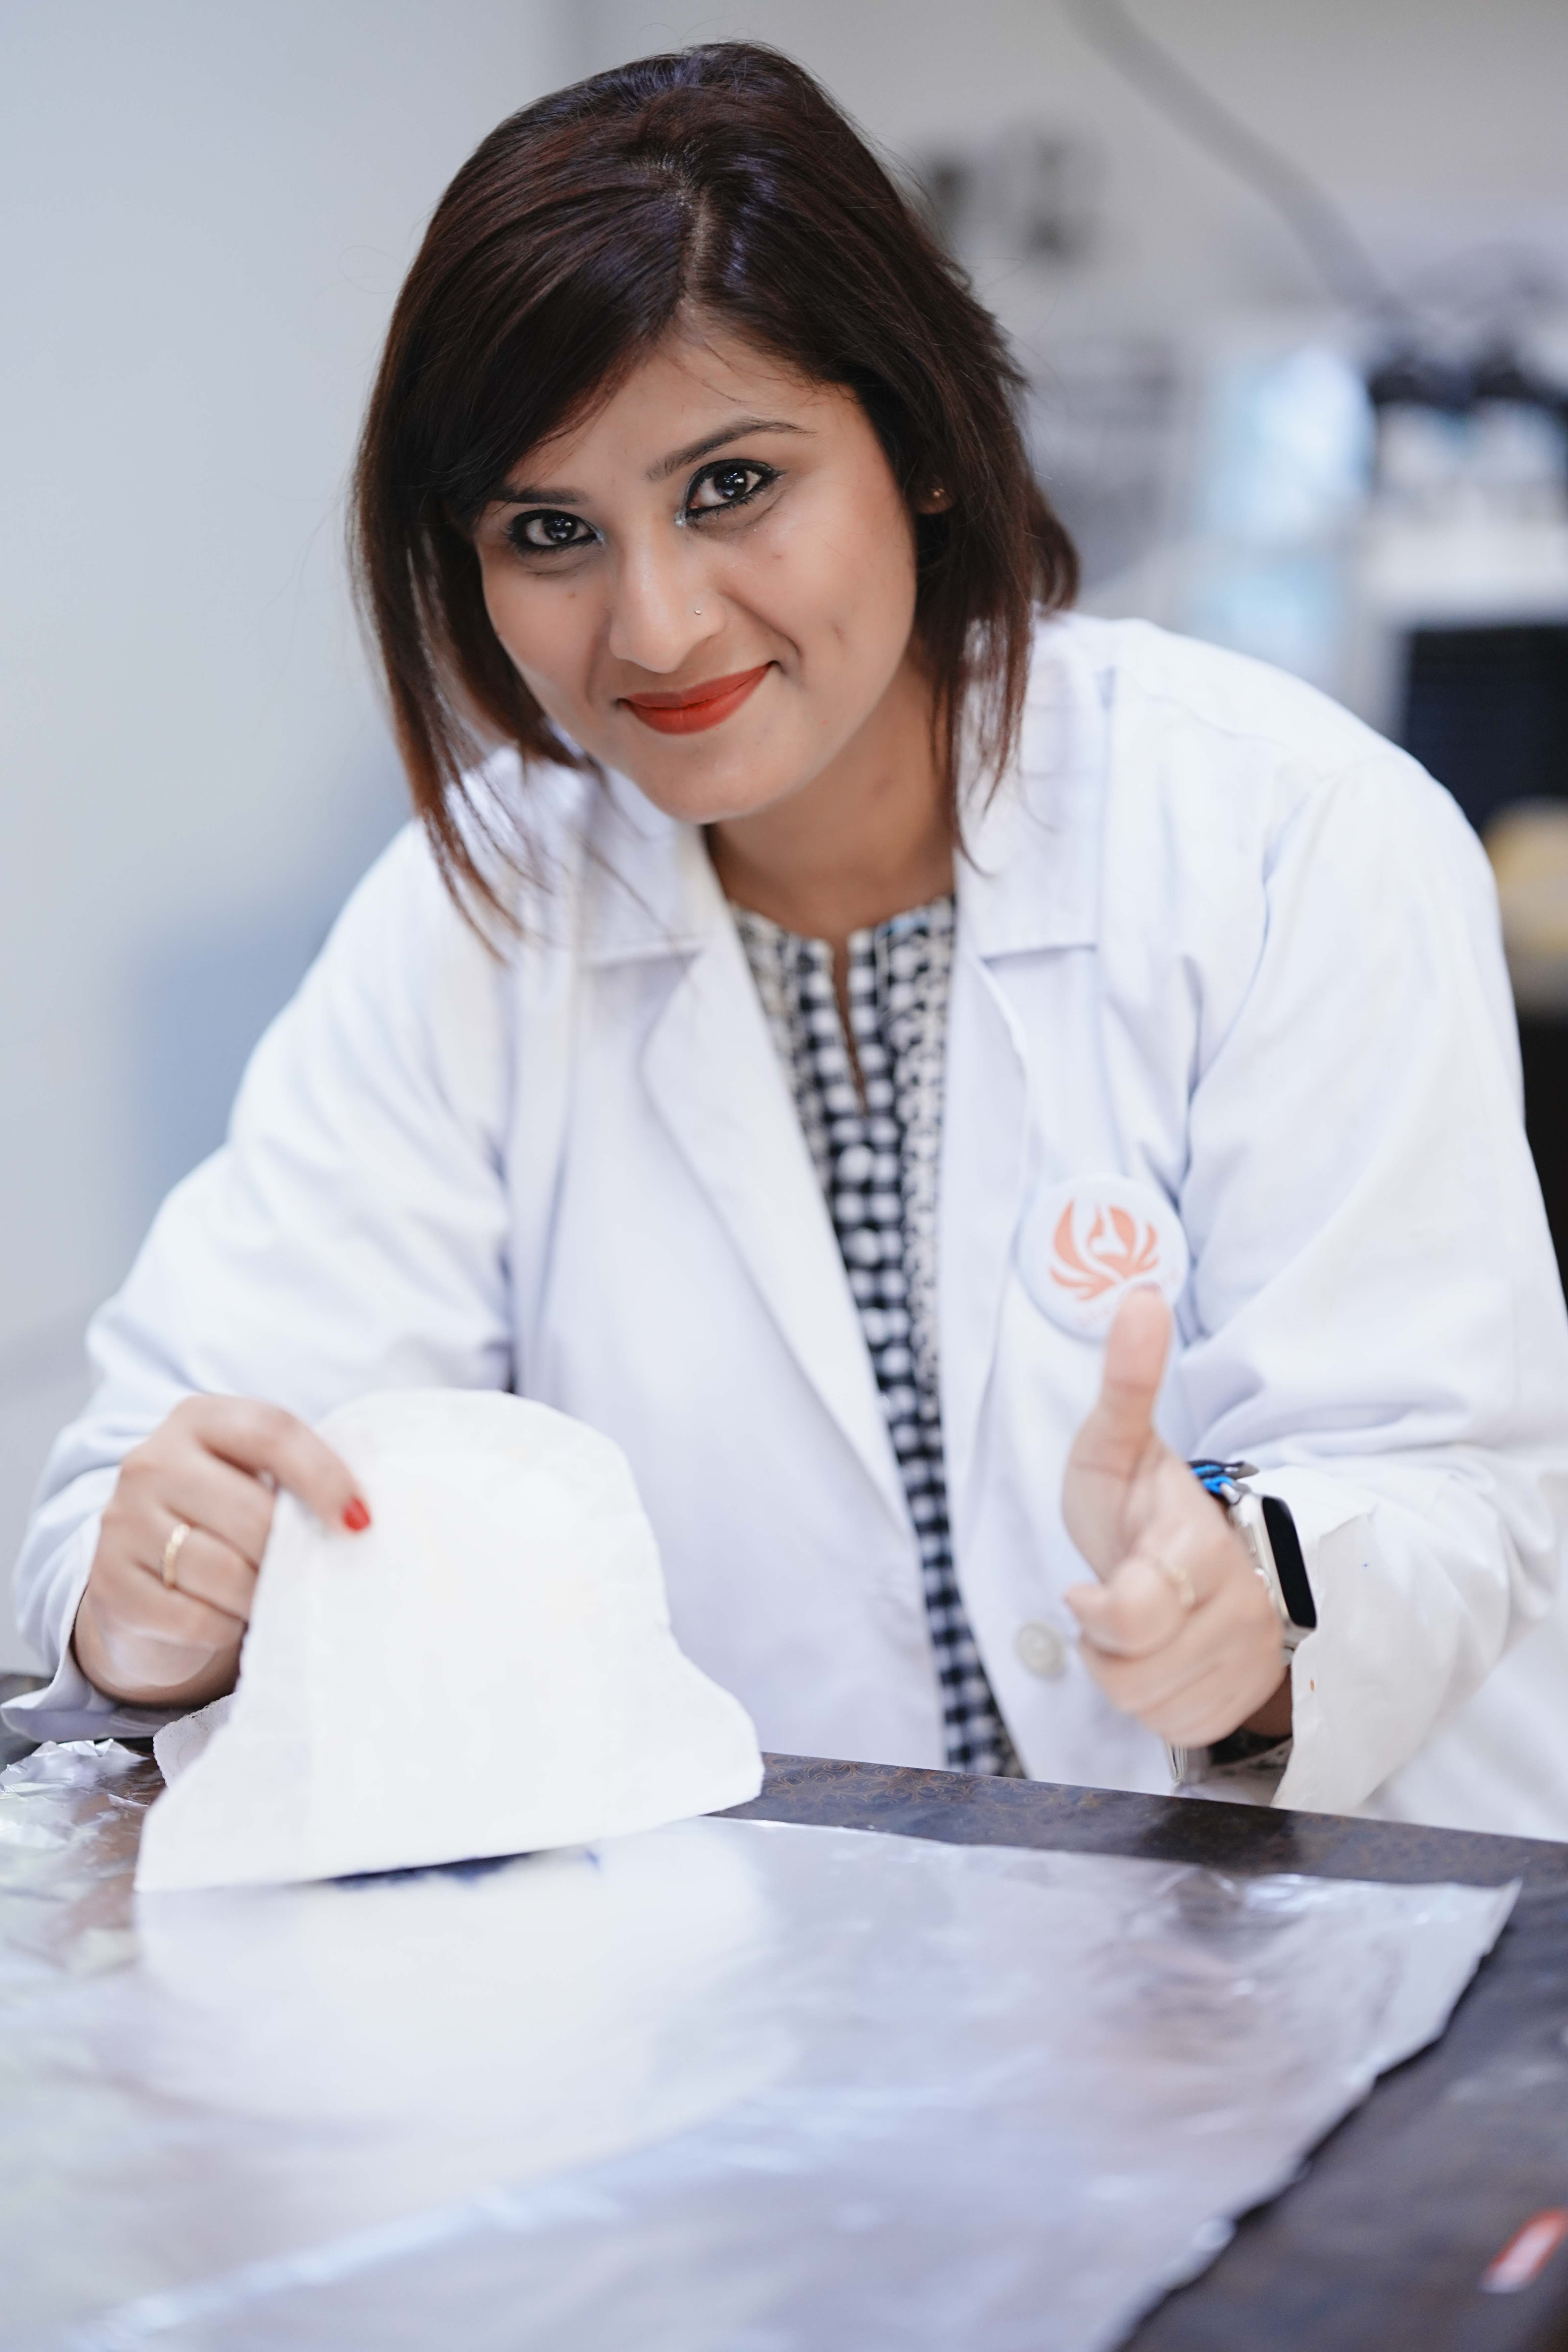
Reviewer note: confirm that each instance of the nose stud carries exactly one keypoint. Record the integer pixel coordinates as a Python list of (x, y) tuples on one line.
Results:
[(697, 610)]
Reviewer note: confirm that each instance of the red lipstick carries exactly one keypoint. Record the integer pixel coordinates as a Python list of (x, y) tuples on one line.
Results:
[(688, 713)]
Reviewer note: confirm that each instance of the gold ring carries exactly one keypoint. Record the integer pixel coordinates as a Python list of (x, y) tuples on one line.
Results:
[(177, 1535), (1180, 1582)]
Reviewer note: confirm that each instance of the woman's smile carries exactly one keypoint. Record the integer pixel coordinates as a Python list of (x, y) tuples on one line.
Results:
[(694, 707)]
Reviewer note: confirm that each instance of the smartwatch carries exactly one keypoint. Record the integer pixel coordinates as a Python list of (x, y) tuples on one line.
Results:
[(1266, 1526)]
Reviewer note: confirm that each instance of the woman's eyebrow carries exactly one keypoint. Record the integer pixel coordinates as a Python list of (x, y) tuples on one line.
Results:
[(740, 430), (527, 495)]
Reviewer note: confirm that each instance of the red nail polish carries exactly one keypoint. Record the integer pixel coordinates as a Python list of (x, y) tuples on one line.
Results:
[(356, 1518)]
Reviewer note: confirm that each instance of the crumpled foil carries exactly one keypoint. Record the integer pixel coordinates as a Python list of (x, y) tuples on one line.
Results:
[(730, 2087)]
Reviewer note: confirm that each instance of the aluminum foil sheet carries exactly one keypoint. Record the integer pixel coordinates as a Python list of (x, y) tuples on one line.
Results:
[(731, 2086)]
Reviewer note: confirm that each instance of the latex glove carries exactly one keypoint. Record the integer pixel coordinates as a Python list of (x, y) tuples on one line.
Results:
[(214, 1464), (1180, 1632)]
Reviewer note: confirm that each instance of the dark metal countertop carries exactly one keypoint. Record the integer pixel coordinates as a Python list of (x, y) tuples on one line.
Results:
[(1383, 2243)]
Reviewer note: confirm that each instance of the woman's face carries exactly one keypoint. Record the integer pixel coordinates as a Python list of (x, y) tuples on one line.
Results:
[(711, 583)]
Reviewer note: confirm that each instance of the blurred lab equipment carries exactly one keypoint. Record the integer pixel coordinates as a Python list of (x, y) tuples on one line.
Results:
[(1374, 495), (1528, 845), (1422, 577)]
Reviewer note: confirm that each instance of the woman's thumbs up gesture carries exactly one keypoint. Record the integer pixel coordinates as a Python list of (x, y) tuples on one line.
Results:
[(1180, 1631)]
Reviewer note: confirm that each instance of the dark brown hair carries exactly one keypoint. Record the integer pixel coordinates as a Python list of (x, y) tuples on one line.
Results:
[(721, 181)]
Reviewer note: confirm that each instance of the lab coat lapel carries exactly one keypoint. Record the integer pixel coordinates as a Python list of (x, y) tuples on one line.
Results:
[(984, 1134), (1028, 886), (715, 1079)]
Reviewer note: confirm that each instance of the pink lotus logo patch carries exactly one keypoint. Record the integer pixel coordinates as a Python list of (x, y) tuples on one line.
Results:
[(1086, 1243), (1116, 1250)]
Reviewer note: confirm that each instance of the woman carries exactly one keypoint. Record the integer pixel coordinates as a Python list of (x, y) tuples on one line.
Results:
[(826, 986)]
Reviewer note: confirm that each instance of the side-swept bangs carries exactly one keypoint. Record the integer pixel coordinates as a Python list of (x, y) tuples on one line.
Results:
[(724, 184)]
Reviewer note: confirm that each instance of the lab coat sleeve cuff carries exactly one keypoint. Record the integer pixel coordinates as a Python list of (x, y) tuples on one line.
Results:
[(1348, 1729), (69, 1708)]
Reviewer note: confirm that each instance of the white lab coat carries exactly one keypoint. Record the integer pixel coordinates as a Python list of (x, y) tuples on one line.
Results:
[(1213, 936)]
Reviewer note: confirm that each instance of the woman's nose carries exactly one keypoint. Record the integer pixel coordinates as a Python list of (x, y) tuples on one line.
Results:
[(662, 610)]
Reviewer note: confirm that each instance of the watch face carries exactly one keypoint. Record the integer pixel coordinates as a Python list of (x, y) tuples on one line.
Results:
[(1269, 1527), (1295, 1587)]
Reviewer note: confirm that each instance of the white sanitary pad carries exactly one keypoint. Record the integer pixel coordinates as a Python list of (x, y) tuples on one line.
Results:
[(489, 1670)]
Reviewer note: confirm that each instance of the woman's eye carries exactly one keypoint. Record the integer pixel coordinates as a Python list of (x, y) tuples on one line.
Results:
[(543, 531), (729, 484)]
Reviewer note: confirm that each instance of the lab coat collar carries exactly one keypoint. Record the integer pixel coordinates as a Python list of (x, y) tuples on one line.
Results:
[(719, 1086), (1029, 878), (716, 1081), (1029, 884), (649, 888)]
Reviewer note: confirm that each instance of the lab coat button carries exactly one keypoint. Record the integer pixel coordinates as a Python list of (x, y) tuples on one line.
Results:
[(1041, 1648)]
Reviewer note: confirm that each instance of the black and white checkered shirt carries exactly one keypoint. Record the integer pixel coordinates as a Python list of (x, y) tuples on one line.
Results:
[(877, 1145)]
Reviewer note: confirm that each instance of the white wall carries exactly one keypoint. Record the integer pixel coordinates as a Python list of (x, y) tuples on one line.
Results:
[(1434, 120), (207, 210)]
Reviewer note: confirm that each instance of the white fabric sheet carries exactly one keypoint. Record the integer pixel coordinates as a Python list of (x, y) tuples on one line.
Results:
[(508, 1599)]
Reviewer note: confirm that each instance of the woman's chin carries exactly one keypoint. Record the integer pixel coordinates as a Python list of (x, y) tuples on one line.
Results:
[(709, 809), (695, 790)]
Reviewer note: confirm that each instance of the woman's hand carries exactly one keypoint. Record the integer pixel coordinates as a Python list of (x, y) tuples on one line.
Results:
[(1180, 1631), (212, 1467)]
